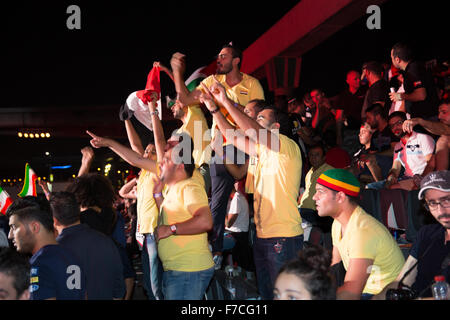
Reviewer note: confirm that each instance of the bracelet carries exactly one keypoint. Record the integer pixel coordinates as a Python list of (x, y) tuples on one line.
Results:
[(154, 113), (214, 111), (235, 104), (157, 195)]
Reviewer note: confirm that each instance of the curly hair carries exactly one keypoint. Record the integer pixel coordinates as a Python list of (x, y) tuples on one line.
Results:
[(92, 189)]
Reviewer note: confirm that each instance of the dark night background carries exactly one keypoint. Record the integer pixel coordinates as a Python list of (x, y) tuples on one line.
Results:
[(44, 64)]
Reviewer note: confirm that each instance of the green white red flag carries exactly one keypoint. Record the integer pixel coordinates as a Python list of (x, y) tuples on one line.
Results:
[(29, 183), (5, 201)]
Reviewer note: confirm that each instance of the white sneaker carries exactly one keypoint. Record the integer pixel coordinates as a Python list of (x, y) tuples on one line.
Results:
[(217, 262)]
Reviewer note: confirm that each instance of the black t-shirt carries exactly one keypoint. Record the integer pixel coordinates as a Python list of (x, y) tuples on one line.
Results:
[(377, 92), (351, 104), (100, 260), (381, 141), (430, 237), (416, 76)]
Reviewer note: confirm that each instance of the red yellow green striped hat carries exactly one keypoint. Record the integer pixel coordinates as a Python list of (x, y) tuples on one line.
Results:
[(340, 180)]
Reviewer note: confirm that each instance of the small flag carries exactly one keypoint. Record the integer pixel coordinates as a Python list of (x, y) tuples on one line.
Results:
[(5, 201), (29, 183)]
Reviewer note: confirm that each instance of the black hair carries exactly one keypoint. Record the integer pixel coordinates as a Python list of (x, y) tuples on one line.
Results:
[(236, 52), (30, 201), (17, 266), (259, 104), (318, 146), (377, 109), (34, 213), (402, 51), (91, 190), (374, 67), (65, 208), (313, 266), (188, 161), (399, 114), (281, 117)]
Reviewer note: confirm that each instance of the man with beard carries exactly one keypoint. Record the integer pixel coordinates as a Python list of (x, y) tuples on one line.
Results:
[(429, 255), (241, 89), (383, 139), (414, 152)]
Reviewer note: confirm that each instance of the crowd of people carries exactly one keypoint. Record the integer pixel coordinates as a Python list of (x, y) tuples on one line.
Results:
[(275, 188)]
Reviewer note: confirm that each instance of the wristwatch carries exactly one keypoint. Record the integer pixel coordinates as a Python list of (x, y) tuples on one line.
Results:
[(173, 228)]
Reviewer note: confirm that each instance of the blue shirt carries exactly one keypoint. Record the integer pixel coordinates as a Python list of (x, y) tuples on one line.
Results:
[(56, 273), (100, 259)]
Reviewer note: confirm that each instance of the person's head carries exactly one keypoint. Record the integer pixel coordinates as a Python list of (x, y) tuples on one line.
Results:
[(28, 226), (229, 58), (353, 79), (375, 116), (335, 190), (150, 152), (308, 101), (444, 111), (317, 96), (14, 275), (316, 155), (65, 208), (296, 106), (365, 134), (395, 122), (271, 118), (401, 54), (178, 163), (178, 110), (307, 277), (253, 107), (435, 189), (373, 71), (92, 190)]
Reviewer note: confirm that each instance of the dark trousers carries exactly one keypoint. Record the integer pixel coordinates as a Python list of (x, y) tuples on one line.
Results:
[(222, 183), (270, 255)]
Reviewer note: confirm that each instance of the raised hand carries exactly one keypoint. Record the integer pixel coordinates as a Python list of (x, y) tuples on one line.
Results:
[(177, 62), (207, 98), (88, 153), (97, 141), (408, 125), (218, 91)]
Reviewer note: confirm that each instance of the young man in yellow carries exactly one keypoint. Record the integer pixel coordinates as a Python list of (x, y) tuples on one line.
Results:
[(185, 219), (240, 89), (276, 182), (369, 253)]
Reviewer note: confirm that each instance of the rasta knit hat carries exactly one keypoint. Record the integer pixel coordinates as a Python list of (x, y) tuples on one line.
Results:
[(340, 180)]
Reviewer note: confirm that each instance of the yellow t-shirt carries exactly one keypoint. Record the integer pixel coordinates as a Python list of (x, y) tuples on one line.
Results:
[(276, 185), (366, 238), (147, 211), (196, 126), (246, 90), (310, 186), (186, 253)]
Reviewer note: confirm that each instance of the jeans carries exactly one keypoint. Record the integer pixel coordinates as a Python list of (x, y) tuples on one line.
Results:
[(152, 268), (180, 285), (270, 255)]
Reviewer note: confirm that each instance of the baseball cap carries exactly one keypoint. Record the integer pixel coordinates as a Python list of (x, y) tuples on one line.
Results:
[(438, 180)]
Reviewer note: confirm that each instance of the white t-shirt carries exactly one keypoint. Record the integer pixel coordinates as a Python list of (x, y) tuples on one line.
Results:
[(3, 239), (239, 205), (412, 155)]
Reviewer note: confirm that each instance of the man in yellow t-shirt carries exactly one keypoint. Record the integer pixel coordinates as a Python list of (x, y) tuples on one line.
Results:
[(369, 253), (277, 174), (240, 88), (185, 219)]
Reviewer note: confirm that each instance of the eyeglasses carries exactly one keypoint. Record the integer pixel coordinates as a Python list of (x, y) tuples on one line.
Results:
[(433, 205), (399, 122)]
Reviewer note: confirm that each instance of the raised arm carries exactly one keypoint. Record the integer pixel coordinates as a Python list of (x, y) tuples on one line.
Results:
[(86, 160), (178, 65), (158, 132), (434, 127), (130, 156), (133, 138), (127, 191)]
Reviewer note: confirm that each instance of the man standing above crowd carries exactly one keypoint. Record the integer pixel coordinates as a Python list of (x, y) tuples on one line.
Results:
[(240, 88), (276, 182), (370, 255), (378, 87), (420, 94)]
